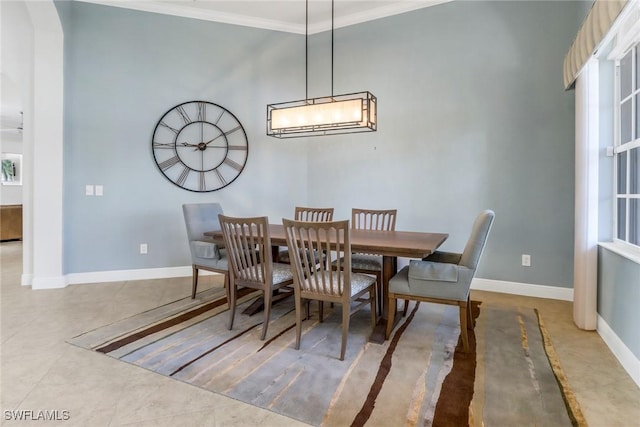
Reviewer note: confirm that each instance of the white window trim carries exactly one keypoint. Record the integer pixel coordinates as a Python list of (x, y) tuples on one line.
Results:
[(627, 146), (626, 32), (623, 249)]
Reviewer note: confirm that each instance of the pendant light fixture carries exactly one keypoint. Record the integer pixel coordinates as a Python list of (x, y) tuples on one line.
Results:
[(328, 115)]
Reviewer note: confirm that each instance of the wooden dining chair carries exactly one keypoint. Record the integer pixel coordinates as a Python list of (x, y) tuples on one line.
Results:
[(306, 214), (371, 219), (248, 246), (322, 283), (205, 253)]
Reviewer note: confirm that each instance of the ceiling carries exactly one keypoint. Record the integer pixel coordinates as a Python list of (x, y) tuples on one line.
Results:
[(279, 15)]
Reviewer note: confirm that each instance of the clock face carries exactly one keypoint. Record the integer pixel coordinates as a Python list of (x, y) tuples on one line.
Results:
[(200, 146)]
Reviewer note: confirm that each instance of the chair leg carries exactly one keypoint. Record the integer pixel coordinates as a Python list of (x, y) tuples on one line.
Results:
[(392, 311), (267, 312), (470, 324), (321, 311), (227, 287), (194, 281), (299, 318), (463, 326), (373, 298), (406, 308), (379, 293), (346, 315), (232, 303)]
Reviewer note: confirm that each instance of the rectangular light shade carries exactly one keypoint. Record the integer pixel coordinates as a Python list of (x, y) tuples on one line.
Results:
[(339, 114)]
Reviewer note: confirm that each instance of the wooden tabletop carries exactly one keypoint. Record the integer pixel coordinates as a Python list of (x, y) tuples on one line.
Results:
[(409, 244)]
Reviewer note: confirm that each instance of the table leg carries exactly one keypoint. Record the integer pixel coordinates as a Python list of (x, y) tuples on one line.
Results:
[(389, 268)]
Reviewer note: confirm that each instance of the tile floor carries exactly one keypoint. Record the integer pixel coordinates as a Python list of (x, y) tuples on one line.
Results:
[(41, 372)]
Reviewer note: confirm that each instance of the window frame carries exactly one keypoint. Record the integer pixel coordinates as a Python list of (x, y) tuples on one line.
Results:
[(621, 148)]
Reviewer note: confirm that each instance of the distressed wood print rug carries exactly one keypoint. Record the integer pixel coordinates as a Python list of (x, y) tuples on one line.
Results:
[(511, 376)]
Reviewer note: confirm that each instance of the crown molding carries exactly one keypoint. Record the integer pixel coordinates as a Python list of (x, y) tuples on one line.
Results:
[(373, 14), (174, 9)]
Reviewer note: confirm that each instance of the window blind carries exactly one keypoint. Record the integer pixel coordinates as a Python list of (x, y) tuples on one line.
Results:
[(596, 25)]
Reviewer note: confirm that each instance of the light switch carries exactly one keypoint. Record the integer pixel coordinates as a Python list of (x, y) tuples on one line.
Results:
[(88, 190), (99, 190)]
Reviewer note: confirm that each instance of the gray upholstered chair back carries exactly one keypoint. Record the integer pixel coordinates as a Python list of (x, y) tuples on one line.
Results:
[(201, 217), (475, 245), (205, 253)]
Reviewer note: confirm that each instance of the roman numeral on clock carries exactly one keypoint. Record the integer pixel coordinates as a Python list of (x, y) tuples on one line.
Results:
[(169, 163)]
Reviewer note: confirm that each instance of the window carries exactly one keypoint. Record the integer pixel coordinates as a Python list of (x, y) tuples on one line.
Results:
[(627, 149)]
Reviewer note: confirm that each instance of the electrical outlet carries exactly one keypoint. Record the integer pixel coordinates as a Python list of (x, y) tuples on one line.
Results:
[(526, 260), (88, 190), (143, 248)]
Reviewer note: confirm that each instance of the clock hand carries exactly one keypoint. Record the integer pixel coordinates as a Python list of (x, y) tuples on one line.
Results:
[(223, 134), (186, 144), (210, 141)]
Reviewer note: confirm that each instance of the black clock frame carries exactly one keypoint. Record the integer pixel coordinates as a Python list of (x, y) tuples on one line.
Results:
[(202, 146)]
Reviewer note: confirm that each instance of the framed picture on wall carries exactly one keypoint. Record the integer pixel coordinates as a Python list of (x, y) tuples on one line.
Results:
[(11, 165)]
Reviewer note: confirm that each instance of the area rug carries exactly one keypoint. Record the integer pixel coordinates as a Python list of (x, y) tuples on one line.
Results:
[(420, 376)]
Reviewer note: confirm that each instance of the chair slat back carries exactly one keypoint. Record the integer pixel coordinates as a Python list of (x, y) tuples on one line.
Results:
[(306, 238), (313, 214), (248, 248), (369, 219)]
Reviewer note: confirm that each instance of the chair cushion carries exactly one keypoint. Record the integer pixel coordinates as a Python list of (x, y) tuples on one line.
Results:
[(426, 270), (220, 263), (402, 284), (203, 249), (363, 262), (359, 282), (280, 272)]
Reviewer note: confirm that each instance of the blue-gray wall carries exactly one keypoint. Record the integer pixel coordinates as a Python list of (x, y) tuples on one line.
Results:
[(472, 115), (618, 297), (123, 70)]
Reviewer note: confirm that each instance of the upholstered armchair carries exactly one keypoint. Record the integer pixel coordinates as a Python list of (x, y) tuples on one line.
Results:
[(205, 253), (443, 277)]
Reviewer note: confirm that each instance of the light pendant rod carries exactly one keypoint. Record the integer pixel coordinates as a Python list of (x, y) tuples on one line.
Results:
[(328, 115), (306, 51), (332, 17)]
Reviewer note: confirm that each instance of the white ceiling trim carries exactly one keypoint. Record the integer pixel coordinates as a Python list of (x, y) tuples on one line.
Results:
[(208, 14)]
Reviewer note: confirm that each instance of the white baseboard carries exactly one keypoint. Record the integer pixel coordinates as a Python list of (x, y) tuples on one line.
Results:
[(624, 355), (137, 274), (107, 276), (54, 282), (525, 289), (26, 279)]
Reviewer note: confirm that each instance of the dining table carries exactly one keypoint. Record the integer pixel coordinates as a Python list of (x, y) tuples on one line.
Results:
[(388, 244)]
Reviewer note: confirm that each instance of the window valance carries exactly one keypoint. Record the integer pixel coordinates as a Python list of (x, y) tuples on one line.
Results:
[(598, 22)]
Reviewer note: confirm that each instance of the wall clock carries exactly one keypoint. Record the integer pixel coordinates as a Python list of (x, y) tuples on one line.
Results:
[(200, 146)]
